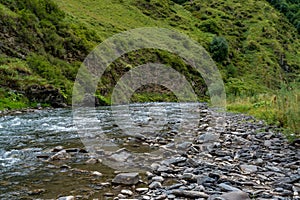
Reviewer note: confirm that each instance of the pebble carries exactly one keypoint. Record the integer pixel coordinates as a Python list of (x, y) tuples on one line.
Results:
[(158, 178), (155, 184), (127, 192), (93, 161), (36, 191), (95, 173), (67, 198), (249, 168), (61, 155)]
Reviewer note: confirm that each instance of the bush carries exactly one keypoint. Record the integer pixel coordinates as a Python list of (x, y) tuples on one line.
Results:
[(290, 8), (210, 26), (219, 49), (180, 1)]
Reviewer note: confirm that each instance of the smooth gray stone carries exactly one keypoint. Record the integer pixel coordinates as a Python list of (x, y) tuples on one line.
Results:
[(236, 196), (126, 178)]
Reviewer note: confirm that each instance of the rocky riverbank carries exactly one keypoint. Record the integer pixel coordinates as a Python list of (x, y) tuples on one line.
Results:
[(243, 160)]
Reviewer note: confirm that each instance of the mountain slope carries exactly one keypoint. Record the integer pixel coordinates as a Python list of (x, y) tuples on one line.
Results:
[(263, 45), (43, 43)]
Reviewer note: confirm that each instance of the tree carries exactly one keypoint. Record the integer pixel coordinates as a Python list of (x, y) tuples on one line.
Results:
[(219, 49)]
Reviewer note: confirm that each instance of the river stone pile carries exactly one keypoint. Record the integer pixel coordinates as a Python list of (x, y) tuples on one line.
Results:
[(238, 159), (245, 159)]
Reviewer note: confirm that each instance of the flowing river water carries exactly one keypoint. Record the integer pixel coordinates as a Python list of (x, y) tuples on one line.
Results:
[(26, 136)]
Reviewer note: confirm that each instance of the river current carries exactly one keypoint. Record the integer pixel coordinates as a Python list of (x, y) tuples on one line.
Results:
[(25, 136)]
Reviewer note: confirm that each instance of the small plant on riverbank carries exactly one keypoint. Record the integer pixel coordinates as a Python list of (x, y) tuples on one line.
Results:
[(281, 108)]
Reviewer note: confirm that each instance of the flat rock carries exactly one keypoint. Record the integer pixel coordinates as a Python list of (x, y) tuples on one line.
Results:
[(155, 184), (61, 155), (173, 161), (141, 190), (158, 178), (121, 155), (95, 173), (67, 198), (57, 149), (236, 196), (127, 192), (126, 178), (208, 137), (226, 187), (248, 168), (189, 194), (36, 191)]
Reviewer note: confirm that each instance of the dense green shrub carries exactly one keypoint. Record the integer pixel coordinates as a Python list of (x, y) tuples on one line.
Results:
[(219, 49), (180, 1), (290, 8), (40, 26), (210, 26)]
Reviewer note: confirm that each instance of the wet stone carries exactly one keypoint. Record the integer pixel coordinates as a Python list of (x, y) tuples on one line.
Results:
[(121, 196), (145, 197), (67, 198), (57, 149), (36, 191), (248, 168), (155, 184), (126, 178), (127, 192), (158, 178), (227, 187), (208, 137), (173, 161), (189, 194), (95, 173), (109, 194), (121, 155), (141, 190), (161, 197), (61, 155), (164, 169), (93, 161), (236, 196)]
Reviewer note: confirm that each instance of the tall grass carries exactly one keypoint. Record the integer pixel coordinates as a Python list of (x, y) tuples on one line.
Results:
[(281, 108)]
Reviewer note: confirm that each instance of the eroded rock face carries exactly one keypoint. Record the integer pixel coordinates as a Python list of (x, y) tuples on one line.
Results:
[(46, 94)]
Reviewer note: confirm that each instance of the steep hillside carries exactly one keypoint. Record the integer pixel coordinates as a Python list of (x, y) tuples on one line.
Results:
[(263, 45), (43, 43), (40, 53), (290, 8)]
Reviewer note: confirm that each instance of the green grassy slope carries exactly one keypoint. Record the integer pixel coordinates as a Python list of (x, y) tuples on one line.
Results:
[(263, 45), (43, 43)]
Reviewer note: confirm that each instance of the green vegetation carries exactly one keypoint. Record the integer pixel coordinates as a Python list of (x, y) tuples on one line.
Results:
[(281, 108), (219, 49), (290, 8), (255, 45)]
